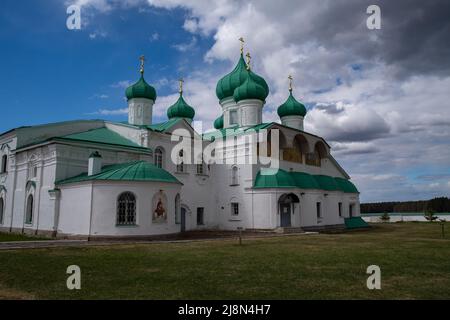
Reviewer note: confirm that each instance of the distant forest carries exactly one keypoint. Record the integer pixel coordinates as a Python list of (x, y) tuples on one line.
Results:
[(436, 205)]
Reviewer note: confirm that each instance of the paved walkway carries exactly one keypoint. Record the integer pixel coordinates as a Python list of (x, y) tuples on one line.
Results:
[(16, 245)]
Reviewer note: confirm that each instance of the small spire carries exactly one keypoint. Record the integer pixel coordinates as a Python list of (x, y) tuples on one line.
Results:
[(249, 57), (242, 45), (142, 59), (290, 83), (181, 81)]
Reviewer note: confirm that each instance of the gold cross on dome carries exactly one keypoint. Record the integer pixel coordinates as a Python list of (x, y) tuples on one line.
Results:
[(181, 81), (249, 57), (242, 44), (290, 82), (142, 59)]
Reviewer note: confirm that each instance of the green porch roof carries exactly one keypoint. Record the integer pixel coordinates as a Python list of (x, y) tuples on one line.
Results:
[(279, 178), (131, 171), (355, 223)]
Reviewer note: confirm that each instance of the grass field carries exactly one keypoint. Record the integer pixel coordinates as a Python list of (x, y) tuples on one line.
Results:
[(414, 262)]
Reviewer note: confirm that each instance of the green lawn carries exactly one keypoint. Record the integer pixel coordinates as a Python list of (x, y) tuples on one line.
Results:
[(6, 237), (414, 261)]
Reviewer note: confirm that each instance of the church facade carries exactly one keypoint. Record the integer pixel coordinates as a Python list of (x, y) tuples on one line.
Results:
[(96, 179)]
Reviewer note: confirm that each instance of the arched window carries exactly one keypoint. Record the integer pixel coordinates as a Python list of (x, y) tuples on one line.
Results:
[(4, 167), (29, 212), (159, 157), (234, 175), (180, 165), (2, 209), (126, 209)]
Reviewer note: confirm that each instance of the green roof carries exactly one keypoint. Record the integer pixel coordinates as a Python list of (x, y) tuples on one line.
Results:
[(181, 109), (132, 171), (227, 85), (234, 131), (279, 178), (104, 136), (327, 183), (141, 89), (250, 89), (163, 126), (355, 223), (291, 107), (218, 123)]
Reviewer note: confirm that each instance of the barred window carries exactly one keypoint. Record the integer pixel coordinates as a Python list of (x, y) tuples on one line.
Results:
[(126, 209), (159, 158), (234, 209)]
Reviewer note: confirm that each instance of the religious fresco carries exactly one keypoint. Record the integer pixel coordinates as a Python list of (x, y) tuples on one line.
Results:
[(159, 207)]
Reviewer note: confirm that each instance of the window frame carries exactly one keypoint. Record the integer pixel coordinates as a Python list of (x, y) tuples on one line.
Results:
[(4, 167), (319, 211), (29, 211), (126, 214), (159, 158), (2, 210), (236, 118), (340, 209), (235, 208), (201, 222)]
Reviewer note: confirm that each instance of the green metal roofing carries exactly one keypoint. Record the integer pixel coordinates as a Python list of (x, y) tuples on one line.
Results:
[(181, 109), (132, 171), (163, 126), (141, 89), (218, 123), (346, 185), (327, 183), (228, 84), (355, 223), (279, 178), (250, 89), (291, 107), (233, 131), (102, 135)]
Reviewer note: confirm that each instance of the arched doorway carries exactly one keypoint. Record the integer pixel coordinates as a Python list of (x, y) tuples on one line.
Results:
[(183, 214), (286, 207)]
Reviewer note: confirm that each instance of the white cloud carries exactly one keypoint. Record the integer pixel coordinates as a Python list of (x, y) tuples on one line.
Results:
[(187, 46), (110, 112), (122, 84)]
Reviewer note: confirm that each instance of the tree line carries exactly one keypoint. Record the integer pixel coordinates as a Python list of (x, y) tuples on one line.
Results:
[(441, 204)]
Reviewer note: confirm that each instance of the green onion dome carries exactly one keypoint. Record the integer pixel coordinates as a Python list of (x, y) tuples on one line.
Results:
[(226, 86), (250, 89), (218, 123), (141, 89), (291, 108), (181, 109)]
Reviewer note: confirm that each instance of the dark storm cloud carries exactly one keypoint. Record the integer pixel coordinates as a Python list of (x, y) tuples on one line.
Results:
[(414, 35)]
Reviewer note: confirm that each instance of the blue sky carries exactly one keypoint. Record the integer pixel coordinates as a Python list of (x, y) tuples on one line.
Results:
[(378, 98), (50, 73)]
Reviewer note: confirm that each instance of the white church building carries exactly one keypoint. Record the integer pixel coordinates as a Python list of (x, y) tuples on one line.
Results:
[(93, 179)]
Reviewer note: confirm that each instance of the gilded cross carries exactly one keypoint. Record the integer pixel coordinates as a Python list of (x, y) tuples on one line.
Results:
[(242, 44), (142, 59), (249, 57), (181, 81)]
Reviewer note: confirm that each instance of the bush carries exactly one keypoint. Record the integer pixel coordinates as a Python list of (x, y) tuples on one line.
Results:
[(430, 216), (385, 217)]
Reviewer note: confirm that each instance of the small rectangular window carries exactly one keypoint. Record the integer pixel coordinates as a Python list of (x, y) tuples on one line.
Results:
[(200, 216), (319, 210), (233, 117), (350, 211), (234, 209), (340, 209)]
